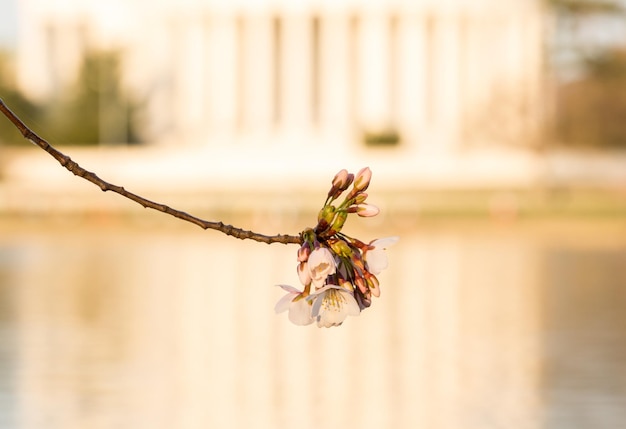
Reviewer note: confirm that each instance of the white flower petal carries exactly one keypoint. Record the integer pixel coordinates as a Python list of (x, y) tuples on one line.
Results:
[(283, 303), (300, 312), (321, 264), (376, 261), (377, 258), (317, 304), (318, 297), (352, 307), (328, 320), (290, 289), (318, 282), (304, 274), (322, 290), (385, 242), (321, 254)]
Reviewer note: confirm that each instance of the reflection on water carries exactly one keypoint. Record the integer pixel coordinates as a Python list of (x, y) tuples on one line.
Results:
[(584, 338), (478, 327)]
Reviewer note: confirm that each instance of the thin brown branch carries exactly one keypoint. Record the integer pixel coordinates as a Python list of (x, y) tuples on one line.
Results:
[(77, 170)]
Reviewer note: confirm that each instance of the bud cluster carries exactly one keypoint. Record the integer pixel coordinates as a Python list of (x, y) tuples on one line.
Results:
[(331, 218), (338, 272)]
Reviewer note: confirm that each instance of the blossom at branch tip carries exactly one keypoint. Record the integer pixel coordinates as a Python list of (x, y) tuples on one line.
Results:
[(296, 303), (338, 271), (375, 255), (332, 304), (321, 264)]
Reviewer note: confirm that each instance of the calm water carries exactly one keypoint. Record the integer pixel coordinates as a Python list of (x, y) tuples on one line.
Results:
[(111, 325)]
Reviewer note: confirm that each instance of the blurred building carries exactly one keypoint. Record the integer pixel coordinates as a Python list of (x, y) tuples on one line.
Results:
[(423, 76)]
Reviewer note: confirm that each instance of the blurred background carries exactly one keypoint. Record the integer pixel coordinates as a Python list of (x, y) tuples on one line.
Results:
[(495, 133)]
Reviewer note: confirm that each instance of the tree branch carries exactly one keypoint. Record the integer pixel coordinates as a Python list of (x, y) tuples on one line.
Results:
[(77, 170)]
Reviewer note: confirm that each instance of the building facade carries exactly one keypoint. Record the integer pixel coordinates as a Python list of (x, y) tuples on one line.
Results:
[(425, 76)]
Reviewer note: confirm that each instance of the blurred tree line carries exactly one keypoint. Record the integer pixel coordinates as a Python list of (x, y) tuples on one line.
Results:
[(94, 110), (591, 101)]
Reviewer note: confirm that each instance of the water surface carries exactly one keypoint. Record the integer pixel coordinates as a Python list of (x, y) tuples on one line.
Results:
[(111, 324)]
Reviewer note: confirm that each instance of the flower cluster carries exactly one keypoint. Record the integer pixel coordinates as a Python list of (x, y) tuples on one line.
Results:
[(338, 272)]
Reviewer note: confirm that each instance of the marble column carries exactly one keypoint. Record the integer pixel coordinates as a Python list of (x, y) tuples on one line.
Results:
[(373, 77), (335, 89), (294, 112), (257, 75), (223, 74)]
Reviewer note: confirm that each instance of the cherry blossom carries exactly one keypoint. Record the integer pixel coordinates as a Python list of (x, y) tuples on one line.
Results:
[(332, 304), (338, 271)]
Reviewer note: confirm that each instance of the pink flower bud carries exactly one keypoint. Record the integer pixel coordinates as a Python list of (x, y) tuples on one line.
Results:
[(357, 261), (362, 179), (367, 210), (360, 283), (340, 179), (372, 283), (303, 252)]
